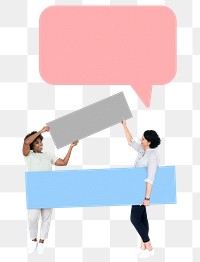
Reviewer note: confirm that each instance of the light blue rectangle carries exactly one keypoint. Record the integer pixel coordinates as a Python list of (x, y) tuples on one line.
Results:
[(98, 187)]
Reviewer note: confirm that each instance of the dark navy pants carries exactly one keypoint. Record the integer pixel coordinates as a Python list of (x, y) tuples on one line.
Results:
[(140, 221)]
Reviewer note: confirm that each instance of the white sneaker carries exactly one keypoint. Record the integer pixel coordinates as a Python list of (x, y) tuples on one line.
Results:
[(32, 247), (139, 250), (40, 248), (146, 253)]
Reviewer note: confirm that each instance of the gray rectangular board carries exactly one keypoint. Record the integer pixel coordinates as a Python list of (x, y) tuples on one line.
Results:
[(89, 120)]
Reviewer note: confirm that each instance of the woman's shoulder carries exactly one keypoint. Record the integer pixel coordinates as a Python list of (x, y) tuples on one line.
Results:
[(29, 154), (153, 152), (153, 156)]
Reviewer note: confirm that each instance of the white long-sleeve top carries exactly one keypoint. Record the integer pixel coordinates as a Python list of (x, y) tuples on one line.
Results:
[(146, 158)]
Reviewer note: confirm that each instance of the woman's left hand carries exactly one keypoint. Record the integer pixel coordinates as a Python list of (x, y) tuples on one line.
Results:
[(74, 143), (123, 122), (145, 203)]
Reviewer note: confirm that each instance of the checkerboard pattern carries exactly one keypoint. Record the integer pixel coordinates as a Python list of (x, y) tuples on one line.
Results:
[(102, 234)]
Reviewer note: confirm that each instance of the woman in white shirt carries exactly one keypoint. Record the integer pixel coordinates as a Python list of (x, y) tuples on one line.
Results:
[(36, 160), (147, 157)]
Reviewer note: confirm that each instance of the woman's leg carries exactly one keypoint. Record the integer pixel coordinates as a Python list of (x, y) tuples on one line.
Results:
[(136, 219), (147, 245), (45, 223), (142, 247), (33, 217), (145, 219)]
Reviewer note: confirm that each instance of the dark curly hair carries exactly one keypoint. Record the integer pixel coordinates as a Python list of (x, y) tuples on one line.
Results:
[(32, 133), (152, 136)]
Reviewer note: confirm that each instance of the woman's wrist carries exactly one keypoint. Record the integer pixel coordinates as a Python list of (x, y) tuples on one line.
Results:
[(147, 198)]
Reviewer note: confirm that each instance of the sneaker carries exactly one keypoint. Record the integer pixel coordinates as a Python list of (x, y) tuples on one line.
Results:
[(40, 248), (32, 247), (139, 250), (146, 253)]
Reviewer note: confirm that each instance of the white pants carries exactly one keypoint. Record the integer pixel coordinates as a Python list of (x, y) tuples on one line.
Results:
[(33, 218)]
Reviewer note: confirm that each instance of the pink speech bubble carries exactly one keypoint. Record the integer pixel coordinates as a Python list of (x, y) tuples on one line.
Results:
[(108, 45)]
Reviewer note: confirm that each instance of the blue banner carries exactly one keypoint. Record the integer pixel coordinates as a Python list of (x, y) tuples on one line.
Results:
[(98, 187)]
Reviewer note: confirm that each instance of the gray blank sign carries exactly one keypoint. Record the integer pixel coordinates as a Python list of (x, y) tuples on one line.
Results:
[(89, 120)]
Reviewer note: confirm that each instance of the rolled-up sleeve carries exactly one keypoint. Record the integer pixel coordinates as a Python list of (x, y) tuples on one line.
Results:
[(151, 169), (53, 159)]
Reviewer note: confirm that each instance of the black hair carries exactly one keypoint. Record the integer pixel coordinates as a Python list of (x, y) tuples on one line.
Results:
[(152, 136), (32, 133)]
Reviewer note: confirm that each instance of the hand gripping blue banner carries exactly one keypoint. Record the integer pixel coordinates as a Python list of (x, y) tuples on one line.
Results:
[(98, 187)]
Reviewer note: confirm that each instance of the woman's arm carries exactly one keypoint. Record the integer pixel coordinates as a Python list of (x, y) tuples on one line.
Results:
[(146, 201), (151, 171), (152, 166), (65, 160), (130, 139), (127, 132), (30, 139)]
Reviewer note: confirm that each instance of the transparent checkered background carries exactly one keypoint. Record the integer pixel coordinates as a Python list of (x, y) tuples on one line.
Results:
[(102, 234)]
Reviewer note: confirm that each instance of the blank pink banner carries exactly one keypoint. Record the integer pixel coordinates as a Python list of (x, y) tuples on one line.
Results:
[(108, 45)]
